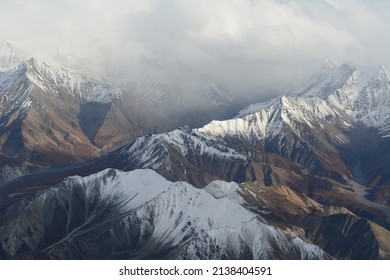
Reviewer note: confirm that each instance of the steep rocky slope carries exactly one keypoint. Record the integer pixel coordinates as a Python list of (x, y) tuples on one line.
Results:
[(52, 115)]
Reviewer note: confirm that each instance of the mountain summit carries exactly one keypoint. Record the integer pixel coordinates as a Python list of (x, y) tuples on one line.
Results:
[(51, 114)]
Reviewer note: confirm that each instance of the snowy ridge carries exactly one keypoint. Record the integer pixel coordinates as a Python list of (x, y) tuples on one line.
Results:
[(57, 80), (257, 107), (272, 121), (204, 223), (116, 186), (370, 101), (248, 126), (16, 86), (188, 222), (365, 98), (320, 87), (15, 90), (152, 151), (341, 96)]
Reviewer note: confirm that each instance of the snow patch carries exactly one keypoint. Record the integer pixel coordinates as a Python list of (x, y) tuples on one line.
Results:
[(220, 189)]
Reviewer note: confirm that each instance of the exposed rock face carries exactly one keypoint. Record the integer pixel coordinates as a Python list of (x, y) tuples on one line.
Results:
[(52, 115)]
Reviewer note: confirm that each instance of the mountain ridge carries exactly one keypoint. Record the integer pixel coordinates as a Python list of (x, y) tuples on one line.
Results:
[(304, 162), (152, 209)]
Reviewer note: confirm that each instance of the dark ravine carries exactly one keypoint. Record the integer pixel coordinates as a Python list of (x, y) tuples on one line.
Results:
[(348, 237)]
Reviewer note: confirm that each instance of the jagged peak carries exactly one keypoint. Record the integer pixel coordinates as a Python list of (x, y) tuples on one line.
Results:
[(53, 78), (344, 78), (35, 65)]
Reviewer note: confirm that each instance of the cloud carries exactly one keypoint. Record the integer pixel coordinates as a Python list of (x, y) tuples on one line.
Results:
[(242, 44)]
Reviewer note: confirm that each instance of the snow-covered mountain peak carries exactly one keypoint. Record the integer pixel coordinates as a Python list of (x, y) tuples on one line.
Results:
[(152, 151), (344, 87), (10, 56), (257, 107), (340, 95), (138, 187), (159, 216), (355, 79), (146, 185), (57, 80), (269, 119)]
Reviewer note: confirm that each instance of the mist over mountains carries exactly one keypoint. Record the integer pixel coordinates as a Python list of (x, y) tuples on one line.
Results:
[(305, 175), (194, 130), (243, 46)]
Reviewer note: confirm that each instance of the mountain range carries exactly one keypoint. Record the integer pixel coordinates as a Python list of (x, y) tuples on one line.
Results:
[(89, 170), (50, 113)]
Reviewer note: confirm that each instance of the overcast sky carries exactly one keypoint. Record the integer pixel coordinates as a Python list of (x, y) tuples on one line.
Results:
[(240, 43)]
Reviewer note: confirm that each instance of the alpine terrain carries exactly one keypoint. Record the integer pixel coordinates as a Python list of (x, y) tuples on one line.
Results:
[(97, 170)]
